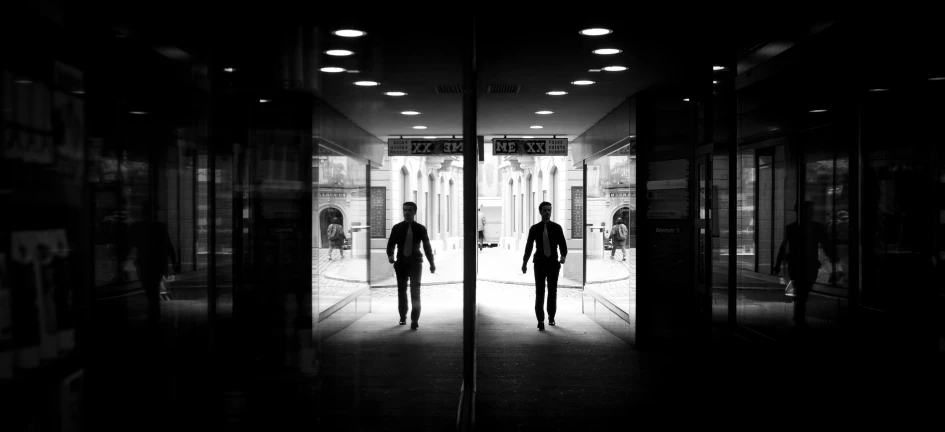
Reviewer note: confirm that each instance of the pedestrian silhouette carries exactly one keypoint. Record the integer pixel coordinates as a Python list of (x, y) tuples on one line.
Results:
[(407, 237), (336, 238), (482, 227), (152, 242), (548, 238), (618, 239), (800, 250)]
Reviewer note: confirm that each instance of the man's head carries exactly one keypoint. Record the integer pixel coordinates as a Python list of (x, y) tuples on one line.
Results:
[(335, 220), (806, 210), (410, 210), (619, 221), (544, 209)]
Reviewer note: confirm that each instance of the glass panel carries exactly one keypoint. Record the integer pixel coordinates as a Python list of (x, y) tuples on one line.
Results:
[(719, 226)]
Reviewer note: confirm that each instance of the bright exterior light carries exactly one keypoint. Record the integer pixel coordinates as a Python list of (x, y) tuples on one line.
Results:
[(607, 51), (537, 127), (429, 137), (582, 82), (718, 68), (596, 31), (615, 68), (350, 33), (339, 52), (332, 69), (557, 93), (528, 136), (544, 112), (396, 94), (419, 127), (818, 110), (367, 83), (410, 112)]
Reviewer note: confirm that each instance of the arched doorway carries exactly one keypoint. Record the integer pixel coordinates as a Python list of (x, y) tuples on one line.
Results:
[(324, 219), (629, 219)]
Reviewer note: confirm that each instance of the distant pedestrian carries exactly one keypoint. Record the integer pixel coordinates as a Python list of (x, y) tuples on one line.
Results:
[(618, 237), (336, 238), (481, 222)]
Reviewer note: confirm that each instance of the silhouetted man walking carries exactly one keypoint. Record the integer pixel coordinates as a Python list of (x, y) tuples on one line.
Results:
[(800, 244), (407, 236), (548, 237), (618, 239)]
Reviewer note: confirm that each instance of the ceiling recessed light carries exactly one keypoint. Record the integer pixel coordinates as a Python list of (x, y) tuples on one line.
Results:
[(339, 52), (718, 68), (607, 51), (544, 112), (263, 100), (332, 69), (410, 112), (596, 31), (537, 127), (937, 79), (818, 110), (772, 129), (582, 82), (686, 100), (349, 33), (367, 83), (396, 94), (615, 68), (23, 81), (229, 70), (878, 90), (429, 137), (557, 93), (419, 127), (137, 112), (593, 70), (527, 136), (714, 82)]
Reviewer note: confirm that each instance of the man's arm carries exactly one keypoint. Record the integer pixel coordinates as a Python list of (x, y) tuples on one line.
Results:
[(528, 246), (781, 251), (562, 243), (827, 244), (428, 250), (391, 242)]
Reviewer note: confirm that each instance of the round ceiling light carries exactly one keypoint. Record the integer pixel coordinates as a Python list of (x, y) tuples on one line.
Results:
[(396, 94), (615, 68), (419, 127), (410, 112), (339, 52), (582, 82), (686, 100), (349, 33), (544, 112), (596, 31), (718, 68), (557, 93), (332, 69), (537, 127), (937, 79), (263, 100), (228, 70), (607, 51), (367, 83)]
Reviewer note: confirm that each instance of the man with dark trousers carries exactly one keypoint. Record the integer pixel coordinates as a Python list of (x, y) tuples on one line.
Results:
[(800, 249), (407, 236), (548, 238)]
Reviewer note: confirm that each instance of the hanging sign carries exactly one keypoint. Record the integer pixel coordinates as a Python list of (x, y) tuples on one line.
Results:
[(535, 147), (424, 147)]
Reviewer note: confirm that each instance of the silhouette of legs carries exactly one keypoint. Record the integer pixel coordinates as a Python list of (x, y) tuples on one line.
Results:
[(410, 271), (152, 290), (801, 293), (549, 272)]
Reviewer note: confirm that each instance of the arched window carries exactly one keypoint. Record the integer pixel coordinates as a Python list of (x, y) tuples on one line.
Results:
[(405, 185), (552, 188)]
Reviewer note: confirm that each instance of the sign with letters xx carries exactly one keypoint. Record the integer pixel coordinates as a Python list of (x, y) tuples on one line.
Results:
[(424, 147), (535, 147)]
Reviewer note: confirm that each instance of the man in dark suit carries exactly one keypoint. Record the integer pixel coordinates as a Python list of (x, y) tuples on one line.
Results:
[(800, 244), (407, 236), (548, 238)]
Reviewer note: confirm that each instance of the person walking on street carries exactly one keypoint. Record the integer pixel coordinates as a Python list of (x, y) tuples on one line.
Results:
[(548, 238), (336, 238), (407, 236), (618, 238), (481, 222)]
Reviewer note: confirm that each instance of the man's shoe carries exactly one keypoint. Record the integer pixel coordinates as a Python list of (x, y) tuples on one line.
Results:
[(541, 325), (414, 325), (403, 321), (551, 321)]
